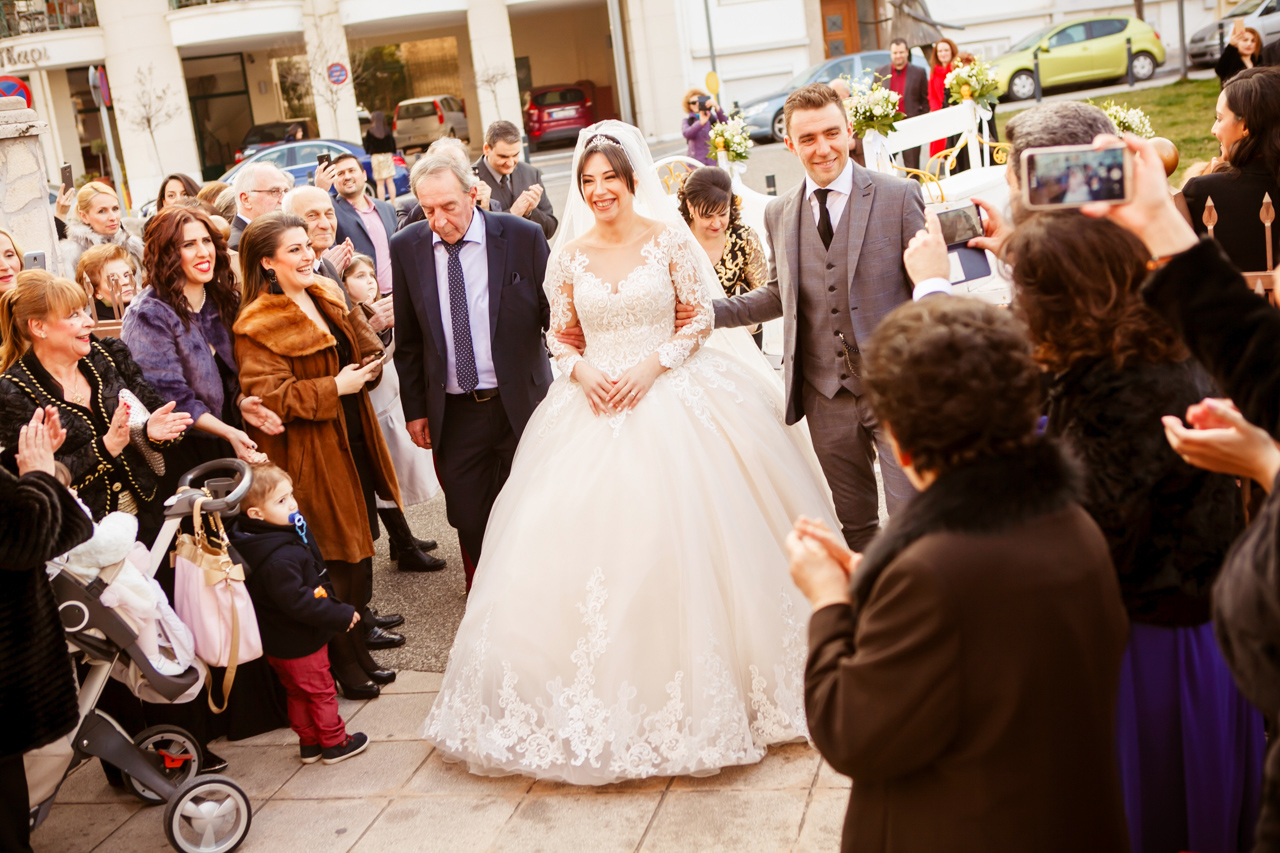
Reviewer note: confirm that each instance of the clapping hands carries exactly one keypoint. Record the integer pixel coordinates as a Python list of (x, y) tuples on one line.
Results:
[(165, 424), (821, 564), (39, 440), (1222, 440), (527, 201)]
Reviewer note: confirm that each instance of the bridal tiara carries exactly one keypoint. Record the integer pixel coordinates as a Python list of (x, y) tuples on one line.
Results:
[(599, 141)]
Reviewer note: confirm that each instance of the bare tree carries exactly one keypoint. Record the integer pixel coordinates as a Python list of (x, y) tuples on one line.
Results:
[(489, 80), (318, 60), (151, 107)]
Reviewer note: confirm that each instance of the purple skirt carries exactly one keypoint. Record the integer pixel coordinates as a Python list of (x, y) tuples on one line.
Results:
[(1190, 746)]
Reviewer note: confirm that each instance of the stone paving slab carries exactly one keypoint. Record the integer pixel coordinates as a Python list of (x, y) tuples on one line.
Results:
[(402, 796)]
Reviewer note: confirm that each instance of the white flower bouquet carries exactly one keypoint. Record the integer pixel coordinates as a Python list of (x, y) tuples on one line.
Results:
[(973, 80), (1128, 119), (734, 137), (872, 107)]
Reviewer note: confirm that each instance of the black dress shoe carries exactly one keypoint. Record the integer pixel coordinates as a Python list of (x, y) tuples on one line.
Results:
[(211, 762), (380, 638), (365, 690), (418, 561), (423, 545), (391, 620), (382, 676)]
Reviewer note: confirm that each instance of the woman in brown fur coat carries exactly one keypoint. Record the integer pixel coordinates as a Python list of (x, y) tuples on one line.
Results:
[(309, 359)]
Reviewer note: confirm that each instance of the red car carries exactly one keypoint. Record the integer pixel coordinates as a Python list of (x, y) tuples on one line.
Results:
[(559, 112)]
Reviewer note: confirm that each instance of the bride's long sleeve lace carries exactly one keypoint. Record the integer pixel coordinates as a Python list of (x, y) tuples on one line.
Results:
[(559, 285), (689, 290)]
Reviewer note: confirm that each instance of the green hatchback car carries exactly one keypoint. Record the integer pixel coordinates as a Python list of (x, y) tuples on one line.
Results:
[(1079, 51)]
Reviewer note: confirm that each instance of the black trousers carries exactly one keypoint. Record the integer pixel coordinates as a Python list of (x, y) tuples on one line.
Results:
[(473, 461), (15, 825)]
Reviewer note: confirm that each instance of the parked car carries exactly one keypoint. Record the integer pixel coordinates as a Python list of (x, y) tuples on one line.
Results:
[(265, 135), (558, 112), (418, 122), (1079, 51), (1261, 15), (765, 114), (299, 160)]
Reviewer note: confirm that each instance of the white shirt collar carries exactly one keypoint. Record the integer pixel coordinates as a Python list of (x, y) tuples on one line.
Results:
[(475, 231), (842, 184)]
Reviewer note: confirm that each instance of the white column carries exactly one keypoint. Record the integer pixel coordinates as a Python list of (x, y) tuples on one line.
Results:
[(64, 131), (143, 65), (326, 41), (25, 210), (494, 60), (38, 82), (659, 53)]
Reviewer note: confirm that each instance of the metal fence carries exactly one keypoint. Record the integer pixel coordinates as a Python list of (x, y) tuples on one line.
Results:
[(187, 4), (20, 17)]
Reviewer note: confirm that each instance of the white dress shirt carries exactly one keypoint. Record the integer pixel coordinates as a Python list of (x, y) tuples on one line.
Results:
[(841, 188), (475, 272)]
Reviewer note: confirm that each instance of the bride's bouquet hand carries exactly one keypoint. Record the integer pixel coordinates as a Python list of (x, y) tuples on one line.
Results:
[(635, 383), (596, 386)]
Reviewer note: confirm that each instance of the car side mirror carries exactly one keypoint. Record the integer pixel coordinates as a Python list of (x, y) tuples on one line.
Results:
[(1044, 47)]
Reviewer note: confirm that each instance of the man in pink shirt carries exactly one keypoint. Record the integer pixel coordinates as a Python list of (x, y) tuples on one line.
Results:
[(366, 221)]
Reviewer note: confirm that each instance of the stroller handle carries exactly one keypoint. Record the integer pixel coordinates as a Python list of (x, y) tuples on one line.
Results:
[(244, 478)]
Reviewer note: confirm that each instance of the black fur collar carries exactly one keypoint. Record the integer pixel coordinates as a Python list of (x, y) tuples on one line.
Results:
[(985, 496)]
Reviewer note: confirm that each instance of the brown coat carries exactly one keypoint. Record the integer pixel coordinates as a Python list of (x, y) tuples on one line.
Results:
[(971, 694), (291, 363)]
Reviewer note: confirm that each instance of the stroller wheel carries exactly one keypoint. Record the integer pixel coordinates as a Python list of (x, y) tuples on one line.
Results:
[(175, 753), (208, 814)]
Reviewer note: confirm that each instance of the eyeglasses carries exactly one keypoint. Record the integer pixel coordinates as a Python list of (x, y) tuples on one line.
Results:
[(278, 192)]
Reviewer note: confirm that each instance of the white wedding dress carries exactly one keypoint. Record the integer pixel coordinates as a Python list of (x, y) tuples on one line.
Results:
[(632, 614)]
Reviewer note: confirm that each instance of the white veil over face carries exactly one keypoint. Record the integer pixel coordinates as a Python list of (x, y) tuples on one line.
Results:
[(652, 202)]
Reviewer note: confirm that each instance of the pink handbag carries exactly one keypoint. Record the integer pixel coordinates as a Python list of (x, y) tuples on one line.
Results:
[(210, 597)]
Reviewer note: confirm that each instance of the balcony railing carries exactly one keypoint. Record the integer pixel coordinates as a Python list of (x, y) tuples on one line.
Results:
[(22, 17), (187, 4)]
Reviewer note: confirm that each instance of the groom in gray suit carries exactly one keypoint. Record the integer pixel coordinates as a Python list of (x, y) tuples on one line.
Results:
[(836, 244)]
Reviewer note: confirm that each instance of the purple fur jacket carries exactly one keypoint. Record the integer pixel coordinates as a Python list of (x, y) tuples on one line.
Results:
[(178, 361)]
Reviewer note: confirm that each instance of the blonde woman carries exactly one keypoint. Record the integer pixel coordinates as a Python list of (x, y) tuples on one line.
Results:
[(98, 221), (10, 263)]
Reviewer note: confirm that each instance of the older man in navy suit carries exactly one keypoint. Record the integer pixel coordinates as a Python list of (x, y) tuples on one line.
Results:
[(470, 314)]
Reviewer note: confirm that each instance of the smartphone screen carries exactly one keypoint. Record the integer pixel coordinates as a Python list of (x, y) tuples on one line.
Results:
[(960, 225), (66, 176), (1074, 175)]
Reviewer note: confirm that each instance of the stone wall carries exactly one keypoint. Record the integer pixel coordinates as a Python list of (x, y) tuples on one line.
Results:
[(25, 210)]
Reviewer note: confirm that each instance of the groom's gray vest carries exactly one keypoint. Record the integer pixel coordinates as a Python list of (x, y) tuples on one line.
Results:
[(824, 306)]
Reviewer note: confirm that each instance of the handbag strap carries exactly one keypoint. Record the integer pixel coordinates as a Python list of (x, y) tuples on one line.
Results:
[(233, 660)]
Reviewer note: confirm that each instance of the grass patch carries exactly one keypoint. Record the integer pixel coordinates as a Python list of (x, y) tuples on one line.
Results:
[(1180, 112)]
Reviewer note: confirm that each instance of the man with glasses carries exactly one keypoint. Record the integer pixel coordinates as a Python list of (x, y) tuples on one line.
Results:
[(259, 187)]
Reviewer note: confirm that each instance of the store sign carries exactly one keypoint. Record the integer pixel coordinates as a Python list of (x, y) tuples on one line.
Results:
[(337, 73), (22, 57)]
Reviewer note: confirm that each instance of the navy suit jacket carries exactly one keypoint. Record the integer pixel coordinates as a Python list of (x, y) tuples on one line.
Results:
[(350, 224), (519, 314)]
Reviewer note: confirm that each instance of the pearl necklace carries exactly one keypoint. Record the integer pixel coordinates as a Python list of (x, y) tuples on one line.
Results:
[(204, 296)]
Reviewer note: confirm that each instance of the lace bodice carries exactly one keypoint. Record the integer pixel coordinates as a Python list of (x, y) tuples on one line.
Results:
[(623, 326)]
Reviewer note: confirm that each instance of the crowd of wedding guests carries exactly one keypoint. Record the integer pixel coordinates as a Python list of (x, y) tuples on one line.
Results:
[(1066, 641)]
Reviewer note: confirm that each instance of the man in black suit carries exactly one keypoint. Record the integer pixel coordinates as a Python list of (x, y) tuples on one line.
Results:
[(367, 222), (911, 82), (470, 314), (517, 186)]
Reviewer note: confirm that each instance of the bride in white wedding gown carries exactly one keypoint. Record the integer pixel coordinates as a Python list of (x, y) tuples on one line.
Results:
[(633, 614)]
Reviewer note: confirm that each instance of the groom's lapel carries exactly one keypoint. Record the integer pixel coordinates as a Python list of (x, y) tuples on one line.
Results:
[(791, 213), (858, 211)]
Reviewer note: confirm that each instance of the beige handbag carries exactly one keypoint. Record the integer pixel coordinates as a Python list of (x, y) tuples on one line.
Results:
[(211, 598)]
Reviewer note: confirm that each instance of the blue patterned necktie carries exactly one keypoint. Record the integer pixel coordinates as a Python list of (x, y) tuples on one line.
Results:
[(464, 354)]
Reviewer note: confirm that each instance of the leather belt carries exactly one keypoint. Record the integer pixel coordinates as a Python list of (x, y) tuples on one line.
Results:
[(480, 395)]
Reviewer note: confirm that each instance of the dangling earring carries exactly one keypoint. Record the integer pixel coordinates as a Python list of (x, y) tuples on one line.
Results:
[(271, 277)]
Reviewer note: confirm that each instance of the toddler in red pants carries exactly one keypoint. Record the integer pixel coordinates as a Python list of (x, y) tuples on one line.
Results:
[(298, 612)]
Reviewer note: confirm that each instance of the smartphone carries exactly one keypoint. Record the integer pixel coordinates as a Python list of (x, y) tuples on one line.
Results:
[(67, 181), (1067, 176), (475, 170), (960, 224), (1238, 27), (323, 160), (33, 261)]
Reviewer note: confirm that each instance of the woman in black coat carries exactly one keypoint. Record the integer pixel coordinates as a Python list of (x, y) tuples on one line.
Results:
[(1243, 50), (1248, 130), (49, 358), (39, 519), (1115, 368)]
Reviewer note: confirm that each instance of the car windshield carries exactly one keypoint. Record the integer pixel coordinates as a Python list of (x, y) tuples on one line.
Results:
[(1244, 8), (1031, 40), (805, 76), (421, 109), (556, 97), (265, 133)]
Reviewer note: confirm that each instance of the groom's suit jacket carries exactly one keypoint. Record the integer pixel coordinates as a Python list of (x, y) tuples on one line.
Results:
[(519, 313), (882, 214)]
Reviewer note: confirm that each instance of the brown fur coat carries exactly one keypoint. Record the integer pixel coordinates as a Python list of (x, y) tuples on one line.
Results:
[(291, 363)]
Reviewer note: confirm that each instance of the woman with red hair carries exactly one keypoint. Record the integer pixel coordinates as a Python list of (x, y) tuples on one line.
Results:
[(942, 60)]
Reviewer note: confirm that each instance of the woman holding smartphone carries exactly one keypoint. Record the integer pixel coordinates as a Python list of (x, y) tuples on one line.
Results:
[(1243, 50)]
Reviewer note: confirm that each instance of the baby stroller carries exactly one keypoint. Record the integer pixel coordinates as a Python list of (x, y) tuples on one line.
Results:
[(209, 813)]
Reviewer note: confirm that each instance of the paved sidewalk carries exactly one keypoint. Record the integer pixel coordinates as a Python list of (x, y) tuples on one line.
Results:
[(399, 796)]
